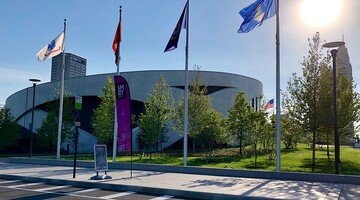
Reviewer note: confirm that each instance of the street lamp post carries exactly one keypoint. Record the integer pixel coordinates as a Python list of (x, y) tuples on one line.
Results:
[(336, 133), (34, 81)]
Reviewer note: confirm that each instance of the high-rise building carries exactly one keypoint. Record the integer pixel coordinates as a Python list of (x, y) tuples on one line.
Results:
[(343, 64), (75, 66), (343, 61)]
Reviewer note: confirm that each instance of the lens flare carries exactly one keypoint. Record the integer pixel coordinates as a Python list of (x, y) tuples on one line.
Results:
[(319, 13)]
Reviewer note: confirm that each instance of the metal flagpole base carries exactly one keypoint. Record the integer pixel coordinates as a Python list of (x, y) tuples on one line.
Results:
[(100, 177)]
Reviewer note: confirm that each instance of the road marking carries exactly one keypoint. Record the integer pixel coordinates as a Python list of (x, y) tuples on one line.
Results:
[(163, 197), (82, 191), (49, 192), (24, 185), (52, 188), (75, 193), (117, 195), (3, 182)]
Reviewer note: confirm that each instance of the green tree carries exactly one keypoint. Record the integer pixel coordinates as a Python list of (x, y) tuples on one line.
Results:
[(290, 134), (159, 107), (103, 118), (268, 135), (303, 99), (257, 129), (348, 106), (8, 129), (212, 132), (325, 113), (48, 132), (238, 121), (348, 103), (199, 111)]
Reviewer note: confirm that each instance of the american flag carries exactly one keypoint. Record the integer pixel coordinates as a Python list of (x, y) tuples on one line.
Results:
[(269, 104)]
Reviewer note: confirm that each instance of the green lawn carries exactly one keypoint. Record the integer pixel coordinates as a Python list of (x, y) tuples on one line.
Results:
[(296, 160), (300, 160)]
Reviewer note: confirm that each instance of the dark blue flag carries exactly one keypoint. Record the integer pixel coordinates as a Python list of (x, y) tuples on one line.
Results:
[(182, 24), (256, 13)]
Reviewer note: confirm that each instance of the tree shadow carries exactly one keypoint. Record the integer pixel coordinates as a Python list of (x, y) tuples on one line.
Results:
[(220, 182), (269, 189), (263, 164), (199, 161), (325, 165), (293, 150)]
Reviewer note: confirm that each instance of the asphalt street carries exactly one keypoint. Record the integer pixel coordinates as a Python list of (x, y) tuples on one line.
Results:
[(20, 190)]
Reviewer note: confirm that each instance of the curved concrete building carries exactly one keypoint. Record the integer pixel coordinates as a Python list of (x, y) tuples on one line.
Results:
[(222, 87)]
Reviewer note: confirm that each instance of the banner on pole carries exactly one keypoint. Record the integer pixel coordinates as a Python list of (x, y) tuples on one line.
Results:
[(123, 113)]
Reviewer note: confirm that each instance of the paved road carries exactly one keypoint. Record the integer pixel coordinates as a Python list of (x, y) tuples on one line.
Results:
[(20, 190), (187, 185)]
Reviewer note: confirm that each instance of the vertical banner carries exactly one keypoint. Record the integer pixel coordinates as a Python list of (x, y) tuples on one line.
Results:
[(123, 113)]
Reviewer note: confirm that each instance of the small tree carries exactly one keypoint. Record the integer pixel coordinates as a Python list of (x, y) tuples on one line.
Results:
[(348, 106), (239, 122), (159, 107), (212, 132), (303, 100), (325, 113), (48, 131), (258, 127), (103, 118), (269, 140), (268, 136), (8, 129), (199, 109), (290, 135)]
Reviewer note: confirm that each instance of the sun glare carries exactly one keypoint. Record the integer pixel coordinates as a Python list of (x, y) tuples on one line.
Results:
[(318, 13)]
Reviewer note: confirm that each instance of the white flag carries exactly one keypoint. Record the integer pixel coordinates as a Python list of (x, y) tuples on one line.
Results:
[(52, 49)]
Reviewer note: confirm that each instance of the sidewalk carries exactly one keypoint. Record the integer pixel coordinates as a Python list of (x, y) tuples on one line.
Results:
[(180, 184)]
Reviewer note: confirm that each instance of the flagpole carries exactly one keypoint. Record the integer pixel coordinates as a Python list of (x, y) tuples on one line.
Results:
[(118, 47), (61, 97), (117, 73), (278, 111), (186, 85)]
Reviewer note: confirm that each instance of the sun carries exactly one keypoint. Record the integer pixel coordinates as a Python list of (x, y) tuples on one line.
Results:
[(319, 13)]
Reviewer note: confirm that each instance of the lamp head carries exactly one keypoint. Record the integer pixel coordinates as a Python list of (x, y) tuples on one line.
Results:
[(334, 44), (34, 80)]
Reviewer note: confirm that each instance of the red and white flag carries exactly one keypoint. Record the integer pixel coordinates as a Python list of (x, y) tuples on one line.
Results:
[(54, 48)]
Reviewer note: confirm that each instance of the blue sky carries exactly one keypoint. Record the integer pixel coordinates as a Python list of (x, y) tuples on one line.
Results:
[(26, 26)]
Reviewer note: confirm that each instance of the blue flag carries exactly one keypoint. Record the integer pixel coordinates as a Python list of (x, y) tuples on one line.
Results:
[(182, 24), (256, 13)]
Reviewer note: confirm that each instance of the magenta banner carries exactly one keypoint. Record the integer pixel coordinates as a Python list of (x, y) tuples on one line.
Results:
[(123, 113)]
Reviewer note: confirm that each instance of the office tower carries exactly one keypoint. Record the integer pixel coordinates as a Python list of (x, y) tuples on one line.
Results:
[(75, 66), (343, 61)]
